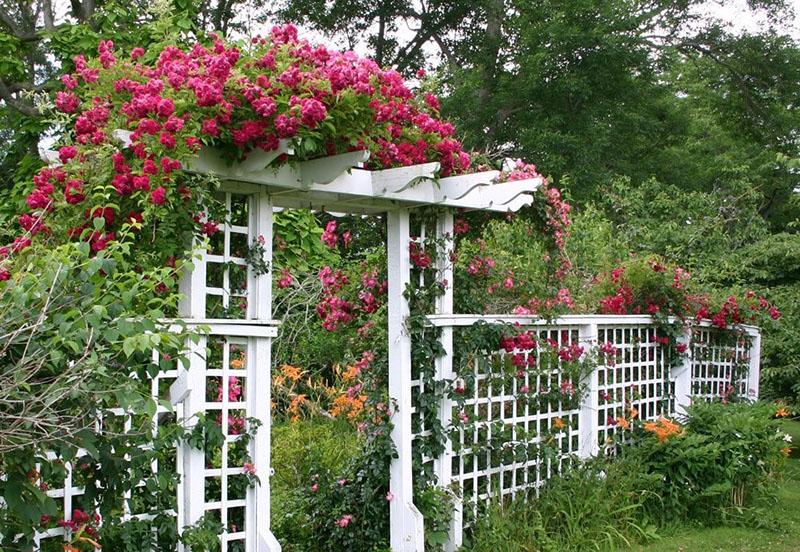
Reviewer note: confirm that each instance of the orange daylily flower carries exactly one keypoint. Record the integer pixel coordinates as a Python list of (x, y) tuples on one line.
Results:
[(351, 373), (623, 423), (782, 412), (663, 428), (559, 423), (343, 404), (291, 372), (294, 406)]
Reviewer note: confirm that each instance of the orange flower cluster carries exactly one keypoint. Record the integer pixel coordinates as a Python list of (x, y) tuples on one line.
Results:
[(625, 423), (291, 372), (352, 406), (782, 412), (351, 373), (559, 423), (294, 407), (663, 428)]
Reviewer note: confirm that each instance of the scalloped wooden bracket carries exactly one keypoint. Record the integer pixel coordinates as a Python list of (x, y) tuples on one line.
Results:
[(393, 181), (327, 169)]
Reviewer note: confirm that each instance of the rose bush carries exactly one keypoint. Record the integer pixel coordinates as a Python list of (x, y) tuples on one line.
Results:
[(170, 102)]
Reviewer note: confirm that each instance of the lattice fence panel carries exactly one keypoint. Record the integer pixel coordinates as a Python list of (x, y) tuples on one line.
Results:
[(225, 480), (503, 423), (228, 397), (638, 378), (69, 493), (720, 362), (226, 264)]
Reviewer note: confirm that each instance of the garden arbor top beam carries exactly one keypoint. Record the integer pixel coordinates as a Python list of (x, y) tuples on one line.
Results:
[(339, 183)]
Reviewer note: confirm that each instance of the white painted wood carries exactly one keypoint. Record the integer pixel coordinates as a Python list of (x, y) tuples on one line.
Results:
[(123, 136), (194, 459), (230, 328), (179, 389), (193, 305), (456, 186), (51, 157), (407, 524), (326, 169), (683, 376), (259, 367), (268, 543), (565, 320), (260, 407), (442, 466), (259, 159), (518, 203), (400, 179), (309, 185), (260, 307), (753, 375), (587, 418)]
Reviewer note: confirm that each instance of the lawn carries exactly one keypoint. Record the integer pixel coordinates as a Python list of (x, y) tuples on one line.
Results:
[(785, 513)]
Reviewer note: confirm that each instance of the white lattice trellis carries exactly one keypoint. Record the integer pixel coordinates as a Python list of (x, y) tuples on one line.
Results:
[(636, 376), (228, 377), (69, 492), (721, 361)]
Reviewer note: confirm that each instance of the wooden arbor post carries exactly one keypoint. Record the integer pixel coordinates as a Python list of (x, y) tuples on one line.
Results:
[(244, 336), (407, 523), (339, 183)]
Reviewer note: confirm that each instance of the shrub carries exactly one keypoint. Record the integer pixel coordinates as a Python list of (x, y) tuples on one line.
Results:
[(341, 508), (717, 467), (78, 329), (591, 506), (714, 468), (301, 450)]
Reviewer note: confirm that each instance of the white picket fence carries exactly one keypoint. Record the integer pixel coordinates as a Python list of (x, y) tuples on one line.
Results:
[(640, 377)]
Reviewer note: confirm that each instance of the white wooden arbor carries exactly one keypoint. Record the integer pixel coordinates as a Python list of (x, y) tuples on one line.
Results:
[(336, 184), (236, 351)]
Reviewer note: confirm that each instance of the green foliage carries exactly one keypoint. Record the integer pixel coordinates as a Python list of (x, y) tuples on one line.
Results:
[(203, 536), (518, 250), (695, 229), (782, 534), (436, 505), (324, 473), (598, 505), (720, 469), (78, 334), (298, 246), (595, 245)]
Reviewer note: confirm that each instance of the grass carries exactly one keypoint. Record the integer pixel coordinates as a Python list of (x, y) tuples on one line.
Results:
[(785, 514)]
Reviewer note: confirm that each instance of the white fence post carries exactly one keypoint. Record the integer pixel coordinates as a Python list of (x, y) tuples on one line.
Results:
[(260, 380), (682, 373), (193, 307), (443, 465), (754, 373), (587, 418), (406, 522)]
